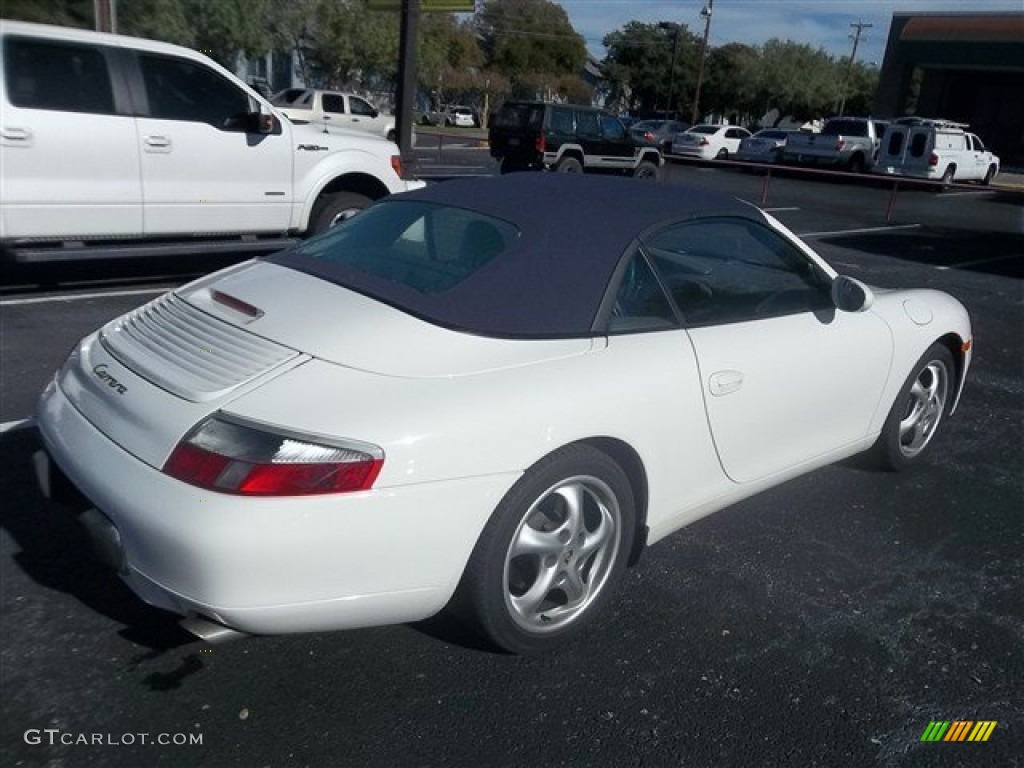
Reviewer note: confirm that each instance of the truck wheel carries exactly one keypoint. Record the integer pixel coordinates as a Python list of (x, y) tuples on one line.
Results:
[(646, 170), (334, 208), (947, 175), (569, 165), (989, 175), (856, 164)]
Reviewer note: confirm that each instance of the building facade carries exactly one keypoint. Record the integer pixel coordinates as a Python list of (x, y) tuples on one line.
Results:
[(966, 67)]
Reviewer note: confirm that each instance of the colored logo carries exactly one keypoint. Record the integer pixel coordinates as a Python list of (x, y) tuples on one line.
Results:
[(958, 730)]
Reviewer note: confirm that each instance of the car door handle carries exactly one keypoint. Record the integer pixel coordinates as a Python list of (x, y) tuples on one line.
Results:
[(725, 382), (157, 143), (16, 137)]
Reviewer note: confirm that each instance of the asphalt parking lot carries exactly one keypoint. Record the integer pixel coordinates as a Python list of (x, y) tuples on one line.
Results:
[(825, 623)]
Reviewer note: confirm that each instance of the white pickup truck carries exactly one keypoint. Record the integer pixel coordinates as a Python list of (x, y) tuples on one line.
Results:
[(113, 145), (335, 109), (844, 142)]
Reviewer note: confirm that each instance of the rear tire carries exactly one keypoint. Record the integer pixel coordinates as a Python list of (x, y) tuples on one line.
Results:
[(549, 557), (989, 175), (856, 164), (569, 165), (948, 176), (917, 412), (723, 154)]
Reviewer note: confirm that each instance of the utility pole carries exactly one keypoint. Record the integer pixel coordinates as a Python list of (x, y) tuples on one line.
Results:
[(859, 26), (104, 14), (667, 25), (407, 80), (705, 13)]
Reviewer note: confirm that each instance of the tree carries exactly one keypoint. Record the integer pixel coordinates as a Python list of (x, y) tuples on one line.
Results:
[(68, 13), (730, 77), (639, 64), (796, 79), (530, 42)]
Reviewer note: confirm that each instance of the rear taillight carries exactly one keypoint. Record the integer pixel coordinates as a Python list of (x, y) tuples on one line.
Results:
[(230, 456), (933, 159), (541, 144), (840, 143), (396, 164), (704, 142), (648, 136)]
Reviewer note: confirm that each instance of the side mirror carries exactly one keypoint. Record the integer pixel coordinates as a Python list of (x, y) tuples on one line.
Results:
[(265, 123), (374, 113), (851, 295)]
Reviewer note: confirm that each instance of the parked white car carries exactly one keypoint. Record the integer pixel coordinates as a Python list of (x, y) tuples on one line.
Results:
[(460, 117), (334, 108), (935, 149), (489, 394), (709, 142)]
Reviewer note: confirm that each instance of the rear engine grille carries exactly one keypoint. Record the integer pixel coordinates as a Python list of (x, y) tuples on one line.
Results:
[(188, 352)]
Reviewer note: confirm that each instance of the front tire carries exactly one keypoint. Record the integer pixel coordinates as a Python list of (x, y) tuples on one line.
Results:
[(646, 170), (549, 557), (334, 208), (917, 412)]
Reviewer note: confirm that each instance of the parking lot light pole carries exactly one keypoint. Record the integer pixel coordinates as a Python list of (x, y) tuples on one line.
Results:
[(705, 13)]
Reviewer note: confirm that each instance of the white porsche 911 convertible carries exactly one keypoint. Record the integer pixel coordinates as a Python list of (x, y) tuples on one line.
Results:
[(488, 395)]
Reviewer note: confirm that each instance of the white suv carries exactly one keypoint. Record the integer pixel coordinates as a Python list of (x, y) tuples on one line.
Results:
[(115, 143)]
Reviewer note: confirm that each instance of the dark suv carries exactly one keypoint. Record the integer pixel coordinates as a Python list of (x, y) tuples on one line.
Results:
[(534, 135)]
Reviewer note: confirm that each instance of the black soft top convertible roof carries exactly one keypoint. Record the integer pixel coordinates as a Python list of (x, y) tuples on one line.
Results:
[(574, 230)]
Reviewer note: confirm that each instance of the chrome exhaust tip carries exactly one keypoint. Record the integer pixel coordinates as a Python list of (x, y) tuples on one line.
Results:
[(209, 631)]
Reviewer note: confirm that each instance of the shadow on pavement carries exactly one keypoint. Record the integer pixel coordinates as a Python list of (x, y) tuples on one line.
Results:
[(55, 552), (994, 253)]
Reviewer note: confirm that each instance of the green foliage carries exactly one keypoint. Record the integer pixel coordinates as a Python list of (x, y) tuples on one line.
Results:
[(530, 42), (67, 13), (639, 65)]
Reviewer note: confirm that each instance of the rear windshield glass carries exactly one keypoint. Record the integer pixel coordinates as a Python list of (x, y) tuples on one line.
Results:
[(705, 129), (520, 116), (427, 247), (845, 127)]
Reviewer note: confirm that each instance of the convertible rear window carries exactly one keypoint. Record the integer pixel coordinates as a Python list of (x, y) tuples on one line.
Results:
[(427, 247)]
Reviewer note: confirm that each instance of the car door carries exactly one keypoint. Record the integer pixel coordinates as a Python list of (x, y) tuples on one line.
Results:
[(588, 136), (365, 117), (786, 378), (979, 158), (733, 137), (617, 146), (68, 145), (202, 170), (333, 110)]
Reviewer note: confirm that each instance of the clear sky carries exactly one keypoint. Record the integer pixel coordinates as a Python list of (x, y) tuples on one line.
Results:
[(820, 23)]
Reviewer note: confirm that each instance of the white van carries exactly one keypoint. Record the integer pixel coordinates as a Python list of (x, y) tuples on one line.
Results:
[(934, 149)]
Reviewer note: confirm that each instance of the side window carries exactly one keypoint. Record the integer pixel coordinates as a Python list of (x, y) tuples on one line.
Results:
[(895, 145), (640, 303), (180, 89), (360, 106), (70, 78), (730, 270), (977, 145), (918, 143), (333, 102), (612, 127), (561, 120), (587, 123)]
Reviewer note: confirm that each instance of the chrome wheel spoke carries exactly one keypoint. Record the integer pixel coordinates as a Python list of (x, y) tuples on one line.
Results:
[(530, 541), (573, 586), (528, 604), (596, 539)]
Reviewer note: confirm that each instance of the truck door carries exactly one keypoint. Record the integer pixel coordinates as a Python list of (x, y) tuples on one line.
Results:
[(202, 170), (68, 151)]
